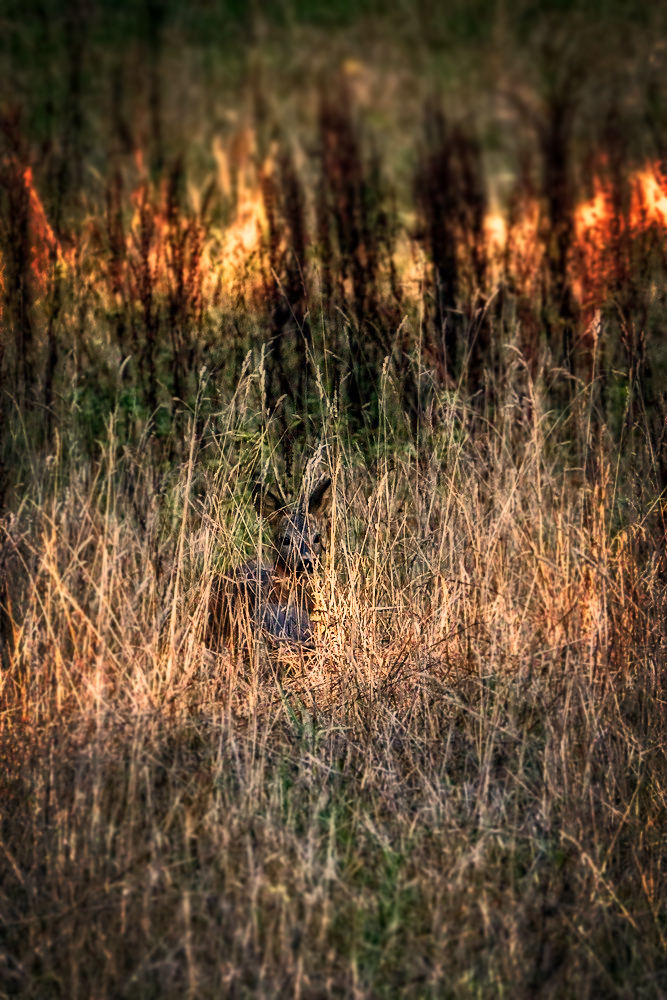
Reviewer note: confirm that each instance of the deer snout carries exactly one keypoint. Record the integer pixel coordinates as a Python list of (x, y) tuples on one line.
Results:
[(298, 561), (307, 563), (301, 561)]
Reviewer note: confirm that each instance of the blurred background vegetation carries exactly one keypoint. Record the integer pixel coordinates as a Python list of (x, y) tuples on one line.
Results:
[(340, 187)]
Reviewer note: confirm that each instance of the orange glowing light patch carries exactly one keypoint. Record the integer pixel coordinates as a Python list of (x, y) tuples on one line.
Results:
[(166, 248), (652, 196), (591, 213), (495, 228), (244, 235), (648, 205), (43, 240), (239, 251), (599, 225)]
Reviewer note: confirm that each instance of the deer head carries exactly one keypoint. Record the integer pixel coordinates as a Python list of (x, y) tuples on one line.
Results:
[(297, 540)]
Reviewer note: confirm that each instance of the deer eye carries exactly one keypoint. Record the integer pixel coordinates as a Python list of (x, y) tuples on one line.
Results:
[(316, 539)]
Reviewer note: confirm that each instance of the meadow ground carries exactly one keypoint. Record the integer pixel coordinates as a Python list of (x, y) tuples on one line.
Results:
[(459, 792)]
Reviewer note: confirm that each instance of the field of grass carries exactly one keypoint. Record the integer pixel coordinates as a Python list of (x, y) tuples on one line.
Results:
[(459, 792), (426, 255)]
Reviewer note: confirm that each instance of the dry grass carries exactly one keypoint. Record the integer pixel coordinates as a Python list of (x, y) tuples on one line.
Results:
[(461, 792)]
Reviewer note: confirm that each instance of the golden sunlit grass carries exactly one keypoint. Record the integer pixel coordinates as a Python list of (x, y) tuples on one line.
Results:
[(459, 792)]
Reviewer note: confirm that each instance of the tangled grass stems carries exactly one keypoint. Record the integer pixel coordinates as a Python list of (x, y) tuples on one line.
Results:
[(459, 792)]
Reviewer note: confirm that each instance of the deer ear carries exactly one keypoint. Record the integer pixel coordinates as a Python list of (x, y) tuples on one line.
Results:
[(267, 504), (317, 497)]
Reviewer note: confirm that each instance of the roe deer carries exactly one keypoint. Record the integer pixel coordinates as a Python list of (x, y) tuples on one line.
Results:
[(273, 599)]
